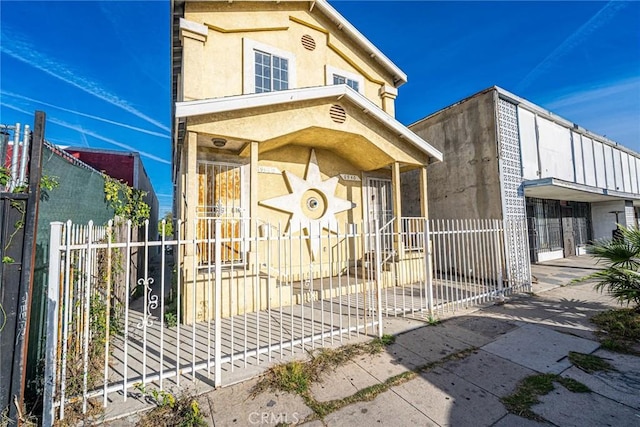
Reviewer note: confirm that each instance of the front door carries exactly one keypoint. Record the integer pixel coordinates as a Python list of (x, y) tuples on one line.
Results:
[(379, 206), (568, 235), (220, 197)]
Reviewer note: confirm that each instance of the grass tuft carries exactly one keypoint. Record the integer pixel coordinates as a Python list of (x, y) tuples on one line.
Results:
[(532, 387), (589, 363), (620, 329), (296, 377)]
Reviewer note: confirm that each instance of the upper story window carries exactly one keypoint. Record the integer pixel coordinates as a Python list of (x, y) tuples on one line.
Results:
[(271, 72), (266, 68), (341, 80), (338, 77)]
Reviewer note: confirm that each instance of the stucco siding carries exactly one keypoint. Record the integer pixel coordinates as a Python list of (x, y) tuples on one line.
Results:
[(216, 67), (604, 222), (466, 184)]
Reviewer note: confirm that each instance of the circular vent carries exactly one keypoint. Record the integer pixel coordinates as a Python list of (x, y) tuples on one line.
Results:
[(308, 42), (337, 113)]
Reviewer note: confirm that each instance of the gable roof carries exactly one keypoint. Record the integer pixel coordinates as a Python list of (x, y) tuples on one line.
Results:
[(241, 102), (323, 6), (399, 77)]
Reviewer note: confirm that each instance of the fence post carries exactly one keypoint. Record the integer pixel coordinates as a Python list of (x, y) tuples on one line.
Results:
[(378, 274), (428, 267), (217, 351), (498, 257), (53, 305)]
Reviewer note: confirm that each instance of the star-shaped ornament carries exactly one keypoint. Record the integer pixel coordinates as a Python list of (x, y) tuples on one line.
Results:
[(312, 203)]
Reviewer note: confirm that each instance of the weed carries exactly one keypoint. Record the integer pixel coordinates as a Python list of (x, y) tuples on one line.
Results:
[(170, 319), (589, 363), (296, 376), (534, 386), (573, 385), (183, 411), (433, 321), (620, 329)]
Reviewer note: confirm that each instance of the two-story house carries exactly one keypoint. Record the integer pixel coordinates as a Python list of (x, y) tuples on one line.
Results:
[(284, 126)]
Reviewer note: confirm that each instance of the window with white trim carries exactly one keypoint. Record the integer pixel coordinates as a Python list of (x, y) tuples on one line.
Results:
[(271, 72), (341, 80), (266, 68), (335, 76)]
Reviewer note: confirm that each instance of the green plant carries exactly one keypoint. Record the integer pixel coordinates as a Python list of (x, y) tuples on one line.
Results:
[(170, 319), (5, 176), (621, 275), (433, 321), (49, 182), (183, 411), (620, 329), (532, 387), (126, 202), (168, 224), (20, 206), (589, 362)]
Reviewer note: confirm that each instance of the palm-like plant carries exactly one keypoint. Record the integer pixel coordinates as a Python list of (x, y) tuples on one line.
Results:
[(621, 255)]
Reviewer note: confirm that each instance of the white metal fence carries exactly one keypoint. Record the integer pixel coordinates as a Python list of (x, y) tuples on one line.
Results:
[(244, 292)]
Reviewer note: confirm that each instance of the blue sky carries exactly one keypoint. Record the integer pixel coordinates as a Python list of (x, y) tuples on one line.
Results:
[(100, 70)]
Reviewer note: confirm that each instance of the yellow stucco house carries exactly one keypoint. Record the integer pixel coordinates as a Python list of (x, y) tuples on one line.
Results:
[(284, 129)]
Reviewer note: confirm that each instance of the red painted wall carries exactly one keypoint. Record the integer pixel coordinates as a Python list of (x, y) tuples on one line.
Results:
[(118, 166)]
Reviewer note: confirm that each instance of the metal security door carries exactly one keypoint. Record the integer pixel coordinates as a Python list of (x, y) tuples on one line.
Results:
[(379, 205), (568, 234), (220, 196)]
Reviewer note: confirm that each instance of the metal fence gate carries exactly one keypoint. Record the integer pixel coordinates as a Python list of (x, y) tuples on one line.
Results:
[(204, 307)]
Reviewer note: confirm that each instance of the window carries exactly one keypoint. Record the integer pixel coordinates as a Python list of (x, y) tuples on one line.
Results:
[(272, 72), (220, 196), (267, 69), (335, 76), (341, 80)]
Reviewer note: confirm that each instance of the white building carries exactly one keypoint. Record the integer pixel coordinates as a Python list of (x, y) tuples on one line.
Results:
[(508, 158)]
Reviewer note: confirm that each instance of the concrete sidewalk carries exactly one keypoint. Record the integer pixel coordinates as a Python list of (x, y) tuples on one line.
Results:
[(474, 358)]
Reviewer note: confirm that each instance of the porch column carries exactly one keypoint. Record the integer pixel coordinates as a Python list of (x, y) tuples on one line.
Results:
[(188, 279), (253, 183), (397, 206), (253, 200), (424, 201), (191, 187)]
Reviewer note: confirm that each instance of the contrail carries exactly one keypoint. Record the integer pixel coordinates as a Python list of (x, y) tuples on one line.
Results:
[(124, 125), (595, 22), (109, 140), (93, 134), (25, 52)]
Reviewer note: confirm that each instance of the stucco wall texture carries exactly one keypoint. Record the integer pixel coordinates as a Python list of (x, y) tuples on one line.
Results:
[(467, 184)]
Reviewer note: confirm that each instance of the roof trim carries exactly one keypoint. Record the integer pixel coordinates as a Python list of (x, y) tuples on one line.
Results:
[(400, 77), (582, 188), (241, 102), (534, 108)]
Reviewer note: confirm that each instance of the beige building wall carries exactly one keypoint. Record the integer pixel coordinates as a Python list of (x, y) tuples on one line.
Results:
[(214, 65)]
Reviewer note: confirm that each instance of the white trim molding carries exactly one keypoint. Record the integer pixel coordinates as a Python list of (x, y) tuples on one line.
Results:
[(333, 71), (399, 76), (342, 92), (249, 70), (199, 30)]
